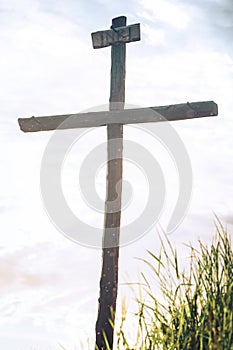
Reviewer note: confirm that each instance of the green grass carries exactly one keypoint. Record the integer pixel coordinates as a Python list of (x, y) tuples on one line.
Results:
[(196, 308)]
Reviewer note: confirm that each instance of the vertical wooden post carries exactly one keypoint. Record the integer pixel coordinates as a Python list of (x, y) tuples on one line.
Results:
[(109, 276)]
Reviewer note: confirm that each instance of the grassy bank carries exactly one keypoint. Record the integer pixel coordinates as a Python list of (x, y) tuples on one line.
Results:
[(196, 311)]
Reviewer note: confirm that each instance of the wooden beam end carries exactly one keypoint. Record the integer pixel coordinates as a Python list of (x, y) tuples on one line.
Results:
[(119, 21), (21, 124), (214, 109), (29, 124)]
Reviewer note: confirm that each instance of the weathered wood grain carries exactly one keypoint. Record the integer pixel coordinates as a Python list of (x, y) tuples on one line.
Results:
[(128, 116), (115, 36), (112, 220)]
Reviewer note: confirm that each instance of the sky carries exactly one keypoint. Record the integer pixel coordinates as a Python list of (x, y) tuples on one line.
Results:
[(49, 284)]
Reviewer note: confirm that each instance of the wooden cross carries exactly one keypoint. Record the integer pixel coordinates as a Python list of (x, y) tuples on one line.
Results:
[(116, 37)]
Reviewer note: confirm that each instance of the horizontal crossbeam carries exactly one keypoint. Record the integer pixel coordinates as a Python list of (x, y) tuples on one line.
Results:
[(119, 35), (127, 116)]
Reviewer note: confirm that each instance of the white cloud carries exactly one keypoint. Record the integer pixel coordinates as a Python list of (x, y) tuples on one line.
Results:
[(154, 37), (24, 6), (48, 66), (164, 11)]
